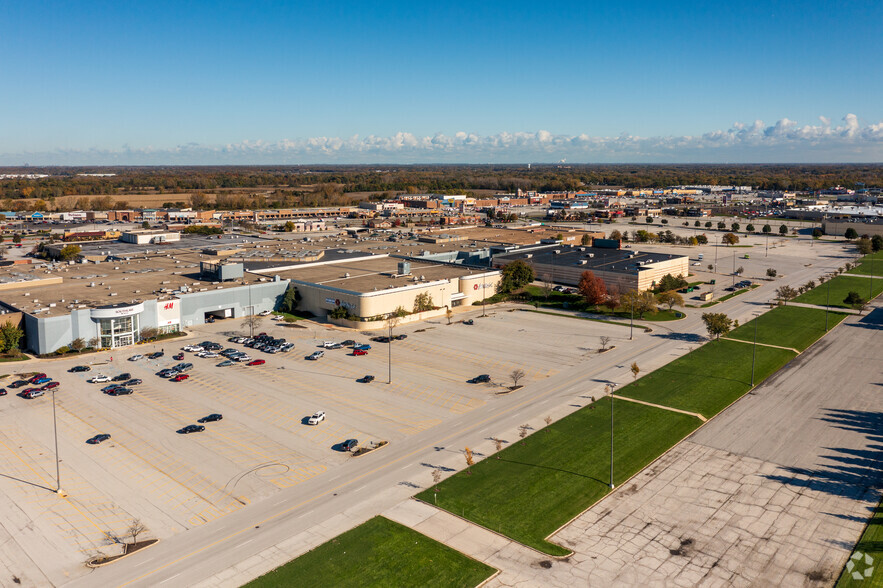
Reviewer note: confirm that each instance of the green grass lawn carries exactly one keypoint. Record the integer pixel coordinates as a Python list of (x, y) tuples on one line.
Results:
[(560, 470), (871, 543), (732, 294), (871, 265), (840, 287), (788, 326), (378, 553), (708, 379)]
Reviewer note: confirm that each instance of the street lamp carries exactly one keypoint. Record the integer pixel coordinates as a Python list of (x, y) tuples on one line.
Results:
[(632, 322), (58, 489), (827, 303), (612, 386), (754, 350)]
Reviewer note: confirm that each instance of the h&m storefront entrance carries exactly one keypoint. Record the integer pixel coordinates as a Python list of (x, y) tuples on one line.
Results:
[(118, 326)]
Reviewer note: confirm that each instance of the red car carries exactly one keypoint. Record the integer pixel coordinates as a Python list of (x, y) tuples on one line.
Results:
[(360, 352), (180, 377), (178, 357), (50, 386), (36, 377), (2, 391), (257, 362)]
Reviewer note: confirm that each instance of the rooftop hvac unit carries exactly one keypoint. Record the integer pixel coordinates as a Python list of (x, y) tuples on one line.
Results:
[(404, 268), (528, 255), (346, 275)]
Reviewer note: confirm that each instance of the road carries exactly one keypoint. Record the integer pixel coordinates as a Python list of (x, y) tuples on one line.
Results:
[(328, 505)]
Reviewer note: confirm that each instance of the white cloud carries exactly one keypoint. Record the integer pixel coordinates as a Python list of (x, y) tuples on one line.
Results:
[(756, 142)]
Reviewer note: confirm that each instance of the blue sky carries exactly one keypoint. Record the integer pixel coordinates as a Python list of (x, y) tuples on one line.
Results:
[(288, 82)]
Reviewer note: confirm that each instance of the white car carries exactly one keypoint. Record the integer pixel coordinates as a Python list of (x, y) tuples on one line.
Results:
[(265, 313), (193, 348), (317, 418), (241, 358), (329, 344), (99, 379), (696, 263), (136, 357), (208, 354)]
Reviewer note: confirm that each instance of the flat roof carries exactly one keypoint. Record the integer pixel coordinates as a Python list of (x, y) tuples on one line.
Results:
[(375, 274), (596, 258)]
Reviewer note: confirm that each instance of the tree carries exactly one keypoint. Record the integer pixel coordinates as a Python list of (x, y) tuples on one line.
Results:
[(145, 225), (708, 225), (670, 299), (289, 300), (635, 370), (253, 321), (605, 341), (522, 432), (640, 302), (449, 313), (585, 240), (94, 342), (547, 285), (817, 233), (616, 235), (69, 252), (516, 275), (470, 460), (740, 270), (423, 302), (783, 230), (10, 335), (515, 376), (716, 323), (592, 288), (78, 344), (876, 242), (767, 229), (771, 272), (735, 227), (730, 239), (136, 527), (854, 299), (148, 333), (721, 225), (851, 234), (750, 228), (288, 226), (649, 219), (786, 293), (864, 246), (809, 285), (697, 224), (669, 282)]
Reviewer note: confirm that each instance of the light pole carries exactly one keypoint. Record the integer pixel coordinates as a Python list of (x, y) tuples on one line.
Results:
[(632, 322), (612, 386), (389, 356), (483, 293), (827, 303), (57, 461), (734, 269), (754, 351)]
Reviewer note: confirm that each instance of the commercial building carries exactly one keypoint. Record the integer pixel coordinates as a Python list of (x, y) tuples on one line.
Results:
[(623, 268)]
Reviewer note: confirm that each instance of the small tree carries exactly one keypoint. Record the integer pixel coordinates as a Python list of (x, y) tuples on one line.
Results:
[(522, 432), (94, 342), (735, 227), (721, 225), (876, 242), (809, 285), (854, 300), (592, 288), (817, 233), (640, 302), (78, 344), (470, 460), (69, 252), (136, 527), (670, 299), (786, 293), (423, 302), (585, 240), (635, 370), (669, 282), (498, 443), (783, 230), (516, 376), (10, 335), (716, 323), (750, 228), (436, 478), (253, 322), (851, 234), (16, 238), (605, 341), (740, 270), (547, 285), (288, 226), (771, 272), (864, 246), (548, 420), (767, 229), (710, 267), (449, 314), (708, 225), (649, 219), (515, 275), (730, 239), (145, 225)]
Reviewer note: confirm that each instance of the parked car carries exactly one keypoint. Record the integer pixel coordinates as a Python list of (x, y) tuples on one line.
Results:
[(210, 418), (315, 355), (80, 368), (381, 339), (167, 373), (98, 439), (362, 346), (328, 344), (317, 418), (108, 389), (226, 362), (2, 391), (19, 384), (122, 377), (180, 377), (99, 379), (241, 358), (156, 355), (482, 379), (35, 378), (257, 362), (132, 382), (193, 348), (469, 322), (40, 381), (191, 429), (348, 342), (208, 355), (120, 391), (349, 444), (400, 337), (178, 356), (360, 351), (136, 357), (367, 379), (51, 385), (265, 313), (32, 393)]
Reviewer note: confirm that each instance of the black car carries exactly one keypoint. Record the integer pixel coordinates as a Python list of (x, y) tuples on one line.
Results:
[(111, 388), (210, 418), (348, 342), (156, 355), (178, 357), (98, 439), (367, 379), (120, 391), (349, 444), (80, 368), (469, 322), (19, 384), (121, 377), (132, 382), (380, 339), (482, 379), (400, 337), (191, 429), (2, 391)]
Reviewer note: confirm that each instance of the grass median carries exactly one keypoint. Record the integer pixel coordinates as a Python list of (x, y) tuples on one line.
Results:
[(871, 265), (840, 287), (543, 481), (870, 544), (708, 379), (378, 553), (788, 326)]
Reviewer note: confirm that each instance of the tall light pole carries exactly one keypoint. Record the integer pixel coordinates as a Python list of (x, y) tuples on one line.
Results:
[(483, 293), (734, 268), (827, 303), (754, 351), (632, 322), (57, 460), (612, 387)]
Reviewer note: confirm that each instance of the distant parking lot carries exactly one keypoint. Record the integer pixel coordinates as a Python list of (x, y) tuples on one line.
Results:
[(173, 481)]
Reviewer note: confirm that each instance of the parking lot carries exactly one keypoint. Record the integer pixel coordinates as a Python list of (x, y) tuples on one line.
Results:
[(172, 481)]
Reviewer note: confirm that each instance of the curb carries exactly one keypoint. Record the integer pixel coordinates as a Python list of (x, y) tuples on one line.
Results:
[(354, 456), (118, 558)]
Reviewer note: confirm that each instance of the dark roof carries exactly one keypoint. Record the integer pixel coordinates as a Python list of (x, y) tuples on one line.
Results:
[(597, 258)]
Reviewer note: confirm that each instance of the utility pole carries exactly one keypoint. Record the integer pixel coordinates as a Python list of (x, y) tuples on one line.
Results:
[(58, 489), (827, 303), (754, 351), (632, 323), (734, 268), (389, 356), (612, 387), (483, 293)]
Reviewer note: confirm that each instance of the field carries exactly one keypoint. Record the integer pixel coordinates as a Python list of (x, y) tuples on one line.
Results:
[(534, 486), (840, 287), (708, 379), (788, 326), (872, 265), (871, 543), (378, 553)]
